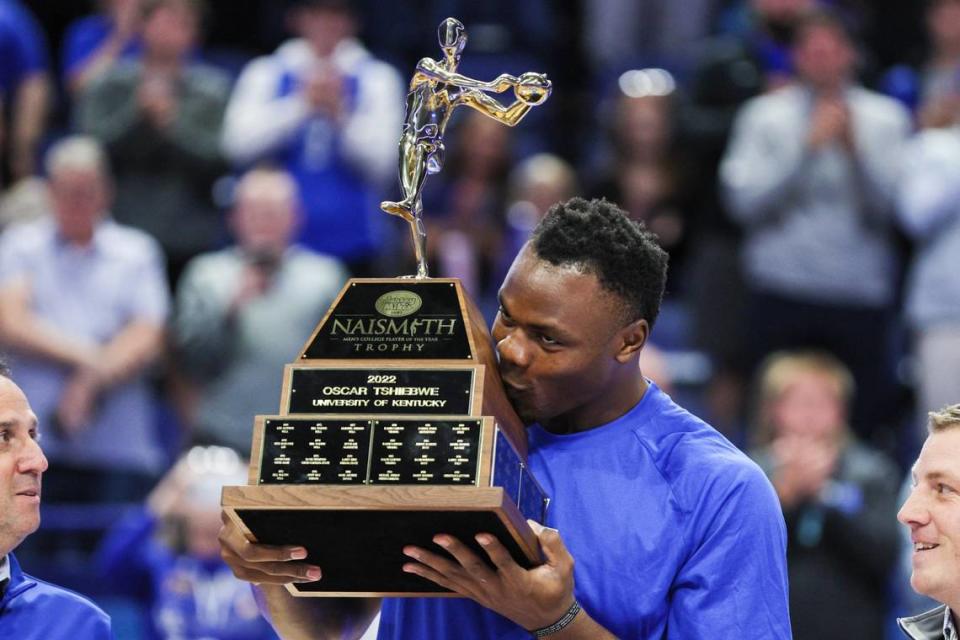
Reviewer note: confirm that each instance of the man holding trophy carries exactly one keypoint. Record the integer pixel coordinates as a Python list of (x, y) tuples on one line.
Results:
[(675, 533)]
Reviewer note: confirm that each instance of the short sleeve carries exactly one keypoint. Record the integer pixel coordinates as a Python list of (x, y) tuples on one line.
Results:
[(149, 292), (734, 583), (14, 255), (82, 38)]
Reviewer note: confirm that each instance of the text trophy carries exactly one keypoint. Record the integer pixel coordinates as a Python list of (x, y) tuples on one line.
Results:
[(393, 423)]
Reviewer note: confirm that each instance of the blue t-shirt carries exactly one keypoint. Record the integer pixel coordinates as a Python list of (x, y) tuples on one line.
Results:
[(675, 534), (23, 48), (35, 610)]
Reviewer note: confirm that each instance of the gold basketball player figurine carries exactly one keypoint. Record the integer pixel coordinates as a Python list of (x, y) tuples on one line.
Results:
[(435, 91)]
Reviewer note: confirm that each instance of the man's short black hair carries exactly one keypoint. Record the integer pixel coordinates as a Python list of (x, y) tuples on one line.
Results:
[(598, 237)]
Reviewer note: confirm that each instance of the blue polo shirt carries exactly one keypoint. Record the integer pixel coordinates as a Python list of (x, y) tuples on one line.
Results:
[(675, 534), (35, 610)]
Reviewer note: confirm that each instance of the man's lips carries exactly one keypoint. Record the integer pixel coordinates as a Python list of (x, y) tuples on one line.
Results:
[(923, 545), (514, 392), (30, 493)]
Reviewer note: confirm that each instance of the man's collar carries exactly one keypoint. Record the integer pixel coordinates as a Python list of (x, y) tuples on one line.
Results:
[(96, 240), (4, 575), (949, 629)]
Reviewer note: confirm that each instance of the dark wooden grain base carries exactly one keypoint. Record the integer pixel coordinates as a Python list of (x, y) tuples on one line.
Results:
[(357, 534)]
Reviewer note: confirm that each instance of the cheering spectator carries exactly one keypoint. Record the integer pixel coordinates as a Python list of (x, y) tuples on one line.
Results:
[(330, 113), (24, 89), (810, 174), (838, 498), (160, 120), (167, 552)]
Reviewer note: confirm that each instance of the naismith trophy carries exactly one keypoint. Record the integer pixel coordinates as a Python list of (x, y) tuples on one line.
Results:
[(393, 424)]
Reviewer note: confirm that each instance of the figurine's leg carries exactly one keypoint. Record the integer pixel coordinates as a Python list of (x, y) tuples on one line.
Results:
[(413, 171), (419, 245)]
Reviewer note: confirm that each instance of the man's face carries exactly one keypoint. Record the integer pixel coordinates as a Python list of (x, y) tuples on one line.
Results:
[(933, 514), (264, 221), (171, 31), (21, 465), (943, 23), (323, 28), (811, 406), (781, 10), (824, 57), (79, 197), (557, 335)]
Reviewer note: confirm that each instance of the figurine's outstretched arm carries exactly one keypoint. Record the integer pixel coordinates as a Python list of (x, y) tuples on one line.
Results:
[(488, 106), (430, 69)]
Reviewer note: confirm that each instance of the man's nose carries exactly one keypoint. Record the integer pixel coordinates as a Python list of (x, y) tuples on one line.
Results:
[(913, 511), (33, 459), (514, 350)]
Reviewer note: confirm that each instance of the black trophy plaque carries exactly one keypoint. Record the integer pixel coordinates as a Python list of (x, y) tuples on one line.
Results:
[(393, 427)]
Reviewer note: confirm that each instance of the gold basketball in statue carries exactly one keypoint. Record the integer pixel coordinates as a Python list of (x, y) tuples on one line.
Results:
[(532, 88)]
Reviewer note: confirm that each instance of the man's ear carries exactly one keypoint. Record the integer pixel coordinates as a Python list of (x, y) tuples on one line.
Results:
[(631, 339)]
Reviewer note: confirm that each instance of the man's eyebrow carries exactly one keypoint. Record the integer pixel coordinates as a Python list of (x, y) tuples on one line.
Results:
[(537, 326), (9, 424), (936, 475)]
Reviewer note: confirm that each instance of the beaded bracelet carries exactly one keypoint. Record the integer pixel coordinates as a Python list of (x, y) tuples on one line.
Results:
[(560, 624)]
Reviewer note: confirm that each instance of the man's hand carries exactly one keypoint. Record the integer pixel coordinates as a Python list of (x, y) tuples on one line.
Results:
[(803, 466), (158, 100), (254, 282), (829, 122), (532, 598), (324, 92), (940, 112), (78, 401), (261, 563)]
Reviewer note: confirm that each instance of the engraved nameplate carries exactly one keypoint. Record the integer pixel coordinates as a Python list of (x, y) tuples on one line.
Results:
[(418, 451), (384, 391)]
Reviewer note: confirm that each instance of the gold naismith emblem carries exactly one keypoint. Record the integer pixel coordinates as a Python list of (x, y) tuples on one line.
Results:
[(397, 304)]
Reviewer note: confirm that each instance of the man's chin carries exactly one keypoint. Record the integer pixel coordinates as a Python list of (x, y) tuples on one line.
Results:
[(526, 413), (924, 584)]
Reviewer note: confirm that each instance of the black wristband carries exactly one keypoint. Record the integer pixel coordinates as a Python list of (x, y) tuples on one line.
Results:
[(560, 624)]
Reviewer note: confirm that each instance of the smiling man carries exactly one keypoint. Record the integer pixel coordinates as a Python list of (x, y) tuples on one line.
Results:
[(675, 533), (30, 608), (933, 514)]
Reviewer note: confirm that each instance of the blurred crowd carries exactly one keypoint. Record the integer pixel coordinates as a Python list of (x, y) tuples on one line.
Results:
[(186, 185)]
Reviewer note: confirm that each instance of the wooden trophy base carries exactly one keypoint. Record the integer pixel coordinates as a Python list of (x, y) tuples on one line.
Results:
[(356, 534)]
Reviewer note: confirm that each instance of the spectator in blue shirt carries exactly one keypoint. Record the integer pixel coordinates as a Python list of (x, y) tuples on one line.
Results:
[(93, 43), (24, 88), (31, 609), (167, 553)]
